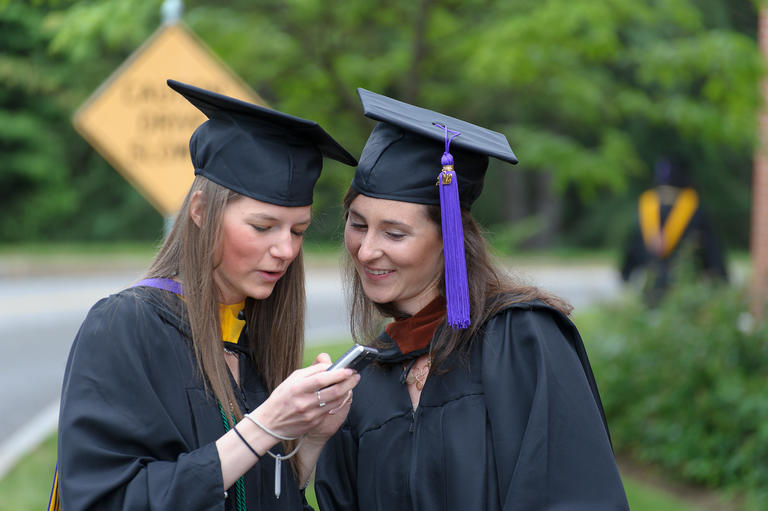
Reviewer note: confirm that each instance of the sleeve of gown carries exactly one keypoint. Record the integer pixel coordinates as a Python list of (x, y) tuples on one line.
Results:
[(551, 444), (118, 440), (336, 474), (634, 253), (712, 254)]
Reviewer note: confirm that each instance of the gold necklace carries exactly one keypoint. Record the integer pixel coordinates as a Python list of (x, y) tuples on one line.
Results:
[(419, 375)]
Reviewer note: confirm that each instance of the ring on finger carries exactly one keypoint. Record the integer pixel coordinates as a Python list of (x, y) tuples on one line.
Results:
[(319, 400)]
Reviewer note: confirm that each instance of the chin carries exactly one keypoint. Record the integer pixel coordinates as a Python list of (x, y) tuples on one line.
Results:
[(377, 296), (260, 293)]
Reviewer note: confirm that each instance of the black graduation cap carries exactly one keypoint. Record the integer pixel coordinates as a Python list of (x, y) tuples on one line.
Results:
[(258, 152), (401, 158), (671, 171)]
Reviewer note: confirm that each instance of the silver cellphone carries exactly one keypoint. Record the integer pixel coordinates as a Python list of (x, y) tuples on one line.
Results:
[(356, 357)]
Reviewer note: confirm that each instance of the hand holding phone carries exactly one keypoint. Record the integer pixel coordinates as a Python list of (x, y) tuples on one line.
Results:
[(356, 357)]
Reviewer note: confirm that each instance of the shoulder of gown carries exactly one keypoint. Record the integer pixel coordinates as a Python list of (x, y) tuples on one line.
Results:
[(125, 437), (543, 405)]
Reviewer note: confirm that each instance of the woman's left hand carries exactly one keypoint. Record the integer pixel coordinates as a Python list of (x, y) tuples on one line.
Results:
[(334, 418), (316, 437)]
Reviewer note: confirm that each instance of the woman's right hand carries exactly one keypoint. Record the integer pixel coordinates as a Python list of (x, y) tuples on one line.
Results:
[(294, 408)]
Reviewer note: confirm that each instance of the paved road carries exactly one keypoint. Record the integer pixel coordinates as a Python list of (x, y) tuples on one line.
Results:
[(40, 315)]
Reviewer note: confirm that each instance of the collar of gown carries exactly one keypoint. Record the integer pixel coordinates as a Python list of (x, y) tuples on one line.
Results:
[(232, 326), (411, 336)]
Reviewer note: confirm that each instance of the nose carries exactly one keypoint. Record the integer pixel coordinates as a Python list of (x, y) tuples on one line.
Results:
[(369, 249), (284, 247)]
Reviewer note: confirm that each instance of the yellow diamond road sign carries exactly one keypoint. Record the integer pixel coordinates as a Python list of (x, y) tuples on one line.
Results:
[(142, 127)]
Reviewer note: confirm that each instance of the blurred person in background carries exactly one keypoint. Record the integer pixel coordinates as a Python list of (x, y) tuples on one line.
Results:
[(483, 397), (179, 390), (672, 228)]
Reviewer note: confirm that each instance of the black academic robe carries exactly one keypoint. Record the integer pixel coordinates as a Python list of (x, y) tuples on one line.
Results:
[(518, 427), (136, 427)]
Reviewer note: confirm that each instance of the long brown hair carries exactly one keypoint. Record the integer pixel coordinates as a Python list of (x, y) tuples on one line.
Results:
[(275, 324), (490, 291)]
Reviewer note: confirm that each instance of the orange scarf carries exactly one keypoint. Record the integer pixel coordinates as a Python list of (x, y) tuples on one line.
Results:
[(415, 332)]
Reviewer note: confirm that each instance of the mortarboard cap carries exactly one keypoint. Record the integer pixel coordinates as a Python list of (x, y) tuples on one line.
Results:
[(671, 171), (261, 153), (400, 162), (401, 156)]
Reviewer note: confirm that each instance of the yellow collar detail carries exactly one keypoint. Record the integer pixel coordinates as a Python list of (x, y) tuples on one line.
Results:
[(231, 326)]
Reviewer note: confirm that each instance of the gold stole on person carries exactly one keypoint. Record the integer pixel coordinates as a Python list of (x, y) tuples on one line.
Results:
[(662, 240)]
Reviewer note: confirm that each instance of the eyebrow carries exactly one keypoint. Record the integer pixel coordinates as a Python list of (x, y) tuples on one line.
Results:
[(394, 223), (270, 218)]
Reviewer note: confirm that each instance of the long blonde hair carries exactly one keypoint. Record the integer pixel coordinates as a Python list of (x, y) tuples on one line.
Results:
[(490, 291), (275, 325)]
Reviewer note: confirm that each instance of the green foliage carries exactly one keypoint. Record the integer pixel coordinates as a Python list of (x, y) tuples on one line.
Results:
[(589, 92), (86, 30), (684, 385), (507, 239), (32, 186), (52, 185), (597, 91)]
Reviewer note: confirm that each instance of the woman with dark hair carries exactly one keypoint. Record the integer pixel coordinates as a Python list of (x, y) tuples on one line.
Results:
[(179, 390), (483, 397)]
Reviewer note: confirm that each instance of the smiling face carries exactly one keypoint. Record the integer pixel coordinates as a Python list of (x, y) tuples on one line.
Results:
[(257, 243), (397, 251)]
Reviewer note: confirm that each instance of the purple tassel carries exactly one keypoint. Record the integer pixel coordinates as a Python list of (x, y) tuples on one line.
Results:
[(456, 286)]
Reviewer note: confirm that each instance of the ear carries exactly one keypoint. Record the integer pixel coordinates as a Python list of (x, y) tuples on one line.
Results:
[(196, 207)]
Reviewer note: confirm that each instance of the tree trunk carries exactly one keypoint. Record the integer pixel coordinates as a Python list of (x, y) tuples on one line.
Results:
[(759, 239)]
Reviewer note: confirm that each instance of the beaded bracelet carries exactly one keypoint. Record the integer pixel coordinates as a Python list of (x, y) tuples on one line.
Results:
[(267, 430)]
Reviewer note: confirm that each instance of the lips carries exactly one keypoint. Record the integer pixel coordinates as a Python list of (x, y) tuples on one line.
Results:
[(376, 274), (271, 275)]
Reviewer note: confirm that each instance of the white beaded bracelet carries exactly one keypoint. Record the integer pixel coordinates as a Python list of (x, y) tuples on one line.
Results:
[(266, 429)]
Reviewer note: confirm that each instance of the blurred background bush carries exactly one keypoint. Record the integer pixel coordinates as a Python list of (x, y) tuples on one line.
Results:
[(684, 385)]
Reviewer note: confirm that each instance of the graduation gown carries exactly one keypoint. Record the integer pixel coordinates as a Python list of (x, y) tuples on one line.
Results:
[(518, 427), (137, 430)]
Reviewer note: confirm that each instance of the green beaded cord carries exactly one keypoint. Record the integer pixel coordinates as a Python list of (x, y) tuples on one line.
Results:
[(240, 483)]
